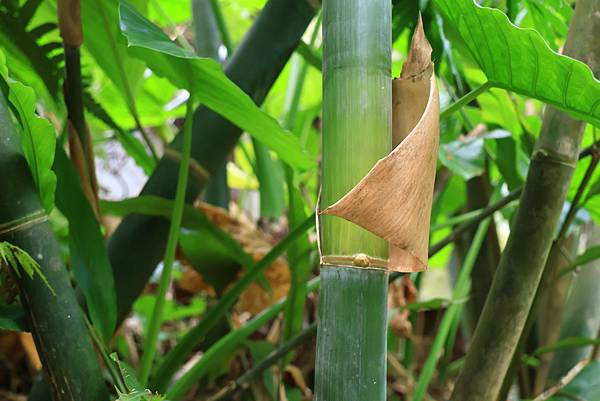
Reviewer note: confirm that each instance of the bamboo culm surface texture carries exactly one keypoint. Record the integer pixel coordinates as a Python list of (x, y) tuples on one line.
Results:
[(522, 263), (56, 321), (351, 339)]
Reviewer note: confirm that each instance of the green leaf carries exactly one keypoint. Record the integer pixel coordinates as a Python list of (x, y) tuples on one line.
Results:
[(141, 395), (12, 317), (211, 87), (192, 219), (103, 39), (270, 179), (37, 137), (89, 258), (127, 374), (464, 157), (520, 60), (588, 256), (17, 259), (569, 342), (173, 311)]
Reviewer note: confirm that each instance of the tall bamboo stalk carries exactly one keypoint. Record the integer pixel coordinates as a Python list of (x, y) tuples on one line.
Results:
[(207, 41), (80, 141), (56, 321), (138, 244), (522, 263), (351, 341)]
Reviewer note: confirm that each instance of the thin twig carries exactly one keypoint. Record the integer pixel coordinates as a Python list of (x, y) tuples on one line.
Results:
[(568, 378), (486, 212)]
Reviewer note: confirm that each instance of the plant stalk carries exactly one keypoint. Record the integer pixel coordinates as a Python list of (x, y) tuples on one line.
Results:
[(465, 100), (56, 321), (520, 270), (153, 329), (357, 99)]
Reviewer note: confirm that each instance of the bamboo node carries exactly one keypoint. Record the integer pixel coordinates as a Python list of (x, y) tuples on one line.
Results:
[(361, 260), (544, 156), (23, 222), (196, 169)]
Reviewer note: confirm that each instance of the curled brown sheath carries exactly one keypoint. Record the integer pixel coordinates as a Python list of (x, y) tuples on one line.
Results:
[(394, 199)]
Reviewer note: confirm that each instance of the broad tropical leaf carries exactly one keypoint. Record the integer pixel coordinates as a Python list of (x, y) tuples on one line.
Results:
[(520, 60), (208, 82), (100, 22), (37, 136)]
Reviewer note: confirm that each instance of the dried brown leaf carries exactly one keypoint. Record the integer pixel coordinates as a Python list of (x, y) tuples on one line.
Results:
[(394, 199)]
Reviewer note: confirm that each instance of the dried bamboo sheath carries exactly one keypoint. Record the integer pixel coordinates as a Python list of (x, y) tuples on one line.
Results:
[(370, 197)]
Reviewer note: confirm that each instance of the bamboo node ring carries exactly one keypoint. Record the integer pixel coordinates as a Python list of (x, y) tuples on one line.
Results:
[(31, 219)]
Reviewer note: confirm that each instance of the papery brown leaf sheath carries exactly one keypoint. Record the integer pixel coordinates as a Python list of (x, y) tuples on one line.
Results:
[(69, 22), (394, 199)]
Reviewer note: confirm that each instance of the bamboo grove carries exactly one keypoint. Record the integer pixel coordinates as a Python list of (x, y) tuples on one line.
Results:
[(329, 200)]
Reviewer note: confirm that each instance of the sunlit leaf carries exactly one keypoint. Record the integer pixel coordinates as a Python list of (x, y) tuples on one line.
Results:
[(37, 136), (521, 61), (205, 78)]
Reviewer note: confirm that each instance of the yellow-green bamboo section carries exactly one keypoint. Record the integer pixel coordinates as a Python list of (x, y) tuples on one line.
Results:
[(351, 350)]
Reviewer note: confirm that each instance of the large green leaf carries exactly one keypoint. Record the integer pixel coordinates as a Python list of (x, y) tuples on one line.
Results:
[(89, 259), (12, 317), (211, 87), (192, 219), (37, 136), (100, 22), (520, 60)]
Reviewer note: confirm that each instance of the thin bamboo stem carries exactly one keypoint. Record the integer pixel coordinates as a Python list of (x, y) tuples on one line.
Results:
[(153, 329), (461, 290), (220, 20), (465, 100), (299, 252)]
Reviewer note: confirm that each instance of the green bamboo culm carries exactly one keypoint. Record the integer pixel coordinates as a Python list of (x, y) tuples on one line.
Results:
[(55, 319), (522, 263), (357, 99)]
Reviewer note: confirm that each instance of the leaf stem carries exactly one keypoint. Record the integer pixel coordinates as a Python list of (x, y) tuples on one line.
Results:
[(461, 290), (165, 279), (466, 99)]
